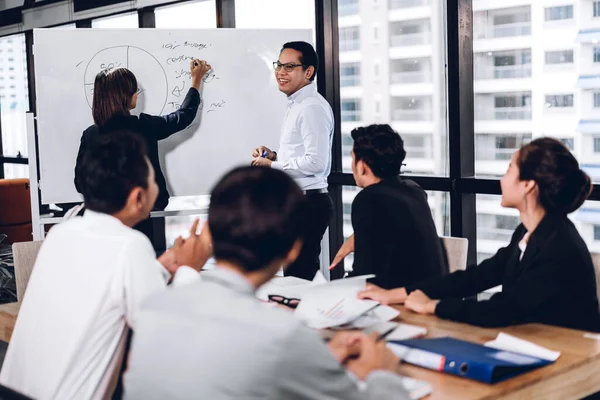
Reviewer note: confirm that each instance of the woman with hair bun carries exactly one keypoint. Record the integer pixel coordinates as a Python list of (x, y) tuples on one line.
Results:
[(546, 271)]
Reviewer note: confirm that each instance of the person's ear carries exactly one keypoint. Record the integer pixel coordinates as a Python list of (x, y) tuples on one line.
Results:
[(361, 168), (137, 199), (310, 71), (530, 186)]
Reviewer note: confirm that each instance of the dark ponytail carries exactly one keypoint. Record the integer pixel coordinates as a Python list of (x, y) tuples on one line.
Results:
[(563, 186)]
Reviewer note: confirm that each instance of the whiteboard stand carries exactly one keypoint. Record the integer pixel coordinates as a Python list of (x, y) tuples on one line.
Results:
[(34, 184)]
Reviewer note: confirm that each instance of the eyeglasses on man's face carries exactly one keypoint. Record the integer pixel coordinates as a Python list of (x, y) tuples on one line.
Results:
[(289, 67)]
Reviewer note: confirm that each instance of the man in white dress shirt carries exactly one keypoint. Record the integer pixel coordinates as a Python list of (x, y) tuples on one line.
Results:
[(304, 147), (89, 278), (214, 340)]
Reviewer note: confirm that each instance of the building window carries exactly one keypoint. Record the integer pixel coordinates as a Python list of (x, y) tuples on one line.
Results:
[(496, 227), (559, 57), (350, 110), (499, 147), (347, 7), (349, 38), (596, 8), (416, 146), (559, 100), (596, 99), (350, 74), (568, 142), (596, 144), (558, 13), (596, 232), (597, 54)]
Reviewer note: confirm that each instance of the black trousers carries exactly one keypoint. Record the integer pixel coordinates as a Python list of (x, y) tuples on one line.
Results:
[(320, 210)]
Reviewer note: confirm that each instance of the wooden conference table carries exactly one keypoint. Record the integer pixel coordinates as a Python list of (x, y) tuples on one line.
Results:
[(574, 375)]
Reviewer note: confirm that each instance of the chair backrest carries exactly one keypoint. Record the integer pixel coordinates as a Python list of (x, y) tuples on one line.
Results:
[(24, 255), (456, 250), (596, 261)]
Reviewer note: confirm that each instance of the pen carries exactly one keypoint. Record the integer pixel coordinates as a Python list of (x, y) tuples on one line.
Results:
[(265, 154), (386, 332)]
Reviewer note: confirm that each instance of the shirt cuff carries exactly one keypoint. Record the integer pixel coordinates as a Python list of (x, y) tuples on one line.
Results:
[(277, 165), (184, 276)]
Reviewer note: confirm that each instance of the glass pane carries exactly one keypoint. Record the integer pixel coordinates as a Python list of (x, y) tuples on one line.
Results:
[(392, 71), (13, 171), (271, 14), (126, 20), (192, 14), (536, 74), (439, 202), (495, 225), (14, 101)]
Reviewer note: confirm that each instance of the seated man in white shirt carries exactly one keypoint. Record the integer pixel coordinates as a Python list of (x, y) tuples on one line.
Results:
[(89, 278), (214, 340)]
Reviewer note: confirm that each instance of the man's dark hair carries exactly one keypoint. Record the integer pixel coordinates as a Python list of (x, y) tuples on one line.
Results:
[(113, 164), (256, 215), (381, 148), (308, 56)]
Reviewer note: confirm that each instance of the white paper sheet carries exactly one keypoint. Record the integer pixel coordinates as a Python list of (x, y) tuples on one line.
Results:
[(507, 342)]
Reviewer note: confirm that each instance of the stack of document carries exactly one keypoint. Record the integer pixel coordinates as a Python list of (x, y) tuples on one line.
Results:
[(329, 304)]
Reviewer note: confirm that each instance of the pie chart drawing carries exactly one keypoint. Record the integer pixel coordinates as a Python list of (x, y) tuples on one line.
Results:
[(150, 74)]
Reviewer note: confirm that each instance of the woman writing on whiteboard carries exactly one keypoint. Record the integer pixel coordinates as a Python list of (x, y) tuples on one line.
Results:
[(115, 95)]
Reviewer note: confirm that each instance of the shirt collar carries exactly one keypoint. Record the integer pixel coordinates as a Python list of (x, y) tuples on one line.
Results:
[(303, 93), (102, 217), (229, 279)]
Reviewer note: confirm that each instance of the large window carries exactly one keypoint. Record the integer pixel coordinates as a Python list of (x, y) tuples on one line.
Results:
[(190, 15), (14, 102), (271, 14), (596, 6), (596, 99), (126, 20)]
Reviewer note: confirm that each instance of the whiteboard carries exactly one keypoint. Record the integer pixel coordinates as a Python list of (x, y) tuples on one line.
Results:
[(241, 108)]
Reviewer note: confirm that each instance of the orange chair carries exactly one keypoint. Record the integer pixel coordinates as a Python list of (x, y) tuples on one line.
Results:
[(15, 210)]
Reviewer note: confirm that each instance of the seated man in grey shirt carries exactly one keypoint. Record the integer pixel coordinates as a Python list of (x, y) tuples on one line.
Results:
[(213, 339)]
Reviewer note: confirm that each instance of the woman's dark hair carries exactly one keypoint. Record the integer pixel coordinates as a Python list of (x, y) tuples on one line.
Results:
[(112, 94), (255, 216), (563, 186), (308, 56), (381, 148), (112, 166)]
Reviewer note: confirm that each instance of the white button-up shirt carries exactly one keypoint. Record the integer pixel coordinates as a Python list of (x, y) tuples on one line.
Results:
[(89, 278), (306, 136)]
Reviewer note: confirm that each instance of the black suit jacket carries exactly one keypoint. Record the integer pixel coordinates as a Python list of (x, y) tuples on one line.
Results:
[(152, 129), (554, 283), (394, 235)]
